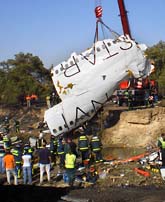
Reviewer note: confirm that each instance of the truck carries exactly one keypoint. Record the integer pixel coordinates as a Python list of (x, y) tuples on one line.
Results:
[(140, 89)]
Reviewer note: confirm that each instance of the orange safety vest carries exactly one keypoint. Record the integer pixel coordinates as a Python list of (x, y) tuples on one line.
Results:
[(28, 97), (34, 97)]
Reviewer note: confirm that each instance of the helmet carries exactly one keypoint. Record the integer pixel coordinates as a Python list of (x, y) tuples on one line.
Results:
[(92, 169)]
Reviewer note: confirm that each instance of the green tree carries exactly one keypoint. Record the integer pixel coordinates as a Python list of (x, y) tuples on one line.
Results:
[(157, 54), (25, 74)]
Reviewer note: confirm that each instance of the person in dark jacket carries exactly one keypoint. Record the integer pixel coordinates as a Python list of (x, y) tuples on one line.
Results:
[(18, 159), (96, 148), (44, 162), (60, 152), (53, 148), (83, 147)]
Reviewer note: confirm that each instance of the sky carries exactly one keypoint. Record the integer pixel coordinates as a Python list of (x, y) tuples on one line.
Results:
[(53, 29)]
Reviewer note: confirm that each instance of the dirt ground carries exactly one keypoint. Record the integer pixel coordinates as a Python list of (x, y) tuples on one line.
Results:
[(22, 193), (118, 181), (120, 184)]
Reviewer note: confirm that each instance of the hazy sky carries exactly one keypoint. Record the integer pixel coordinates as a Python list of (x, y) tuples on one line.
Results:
[(53, 29)]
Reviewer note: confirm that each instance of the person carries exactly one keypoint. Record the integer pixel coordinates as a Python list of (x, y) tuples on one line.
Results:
[(96, 147), (83, 147), (53, 99), (161, 145), (30, 150), (17, 126), (70, 162), (40, 140), (53, 148), (6, 140), (73, 146), (130, 100), (34, 98), (60, 152), (151, 100), (92, 175), (2, 153), (16, 151), (146, 98), (44, 162), (27, 167), (9, 164), (7, 124), (48, 102), (28, 101)]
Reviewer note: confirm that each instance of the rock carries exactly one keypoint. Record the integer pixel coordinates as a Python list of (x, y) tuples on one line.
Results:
[(137, 128)]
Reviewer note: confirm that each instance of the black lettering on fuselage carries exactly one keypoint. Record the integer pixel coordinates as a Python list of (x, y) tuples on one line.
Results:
[(82, 117), (74, 66), (65, 123), (129, 47)]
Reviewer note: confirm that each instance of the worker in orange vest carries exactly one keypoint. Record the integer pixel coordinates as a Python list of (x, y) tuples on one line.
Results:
[(34, 97), (28, 100)]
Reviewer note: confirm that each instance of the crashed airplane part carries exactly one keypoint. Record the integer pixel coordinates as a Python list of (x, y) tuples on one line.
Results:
[(86, 81)]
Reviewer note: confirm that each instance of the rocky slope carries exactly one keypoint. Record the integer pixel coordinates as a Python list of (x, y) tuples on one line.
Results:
[(136, 128)]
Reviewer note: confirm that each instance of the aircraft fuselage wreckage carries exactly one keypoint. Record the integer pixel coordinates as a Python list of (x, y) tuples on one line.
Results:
[(86, 81)]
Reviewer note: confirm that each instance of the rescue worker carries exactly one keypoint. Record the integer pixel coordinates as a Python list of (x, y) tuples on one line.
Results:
[(83, 147), (130, 100), (70, 162), (146, 98), (96, 147), (126, 94), (6, 125), (28, 101), (161, 145), (48, 102), (16, 151), (92, 175), (53, 148), (6, 141), (16, 126), (40, 140), (2, 153), (60, 152)]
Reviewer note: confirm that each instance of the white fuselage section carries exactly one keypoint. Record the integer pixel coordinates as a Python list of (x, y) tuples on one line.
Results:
[(86, 81)]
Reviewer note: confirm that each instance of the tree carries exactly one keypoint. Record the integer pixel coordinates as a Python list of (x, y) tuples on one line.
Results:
[(25, 74), (157, 54)]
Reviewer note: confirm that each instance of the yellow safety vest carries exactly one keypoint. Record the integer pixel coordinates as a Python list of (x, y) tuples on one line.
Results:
[(70, 160)]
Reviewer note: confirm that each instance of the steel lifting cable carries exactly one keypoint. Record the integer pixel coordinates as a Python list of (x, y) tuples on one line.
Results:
[(98, 13)]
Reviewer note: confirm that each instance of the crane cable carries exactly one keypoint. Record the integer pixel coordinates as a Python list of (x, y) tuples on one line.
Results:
[(98, 14)]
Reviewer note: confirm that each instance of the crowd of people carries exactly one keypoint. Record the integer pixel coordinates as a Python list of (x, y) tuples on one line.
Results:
[(20, 160)]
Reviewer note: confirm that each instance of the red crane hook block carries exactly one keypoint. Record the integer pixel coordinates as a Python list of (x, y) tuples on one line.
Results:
[(98, 11)]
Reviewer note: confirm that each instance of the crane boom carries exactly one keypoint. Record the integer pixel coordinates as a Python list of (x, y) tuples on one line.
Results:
[(124, 18)]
